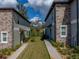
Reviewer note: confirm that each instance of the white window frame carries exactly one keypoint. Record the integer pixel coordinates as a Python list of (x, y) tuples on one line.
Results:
[(2, 37), (61, 30)]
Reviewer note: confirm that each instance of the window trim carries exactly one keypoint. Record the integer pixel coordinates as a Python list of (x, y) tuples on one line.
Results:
[(61, 30), (2, 37)]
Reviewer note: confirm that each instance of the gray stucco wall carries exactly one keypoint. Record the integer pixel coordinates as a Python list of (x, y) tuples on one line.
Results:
[(78, 6), (53, 25), (73, 23), (19, 19), (47, 33), (50, 25), (51, 18), (19, 23), (78, 21), (16, 38)]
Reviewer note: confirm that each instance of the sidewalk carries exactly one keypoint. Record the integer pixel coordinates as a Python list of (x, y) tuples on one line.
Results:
[(52, 51), (17, 53)]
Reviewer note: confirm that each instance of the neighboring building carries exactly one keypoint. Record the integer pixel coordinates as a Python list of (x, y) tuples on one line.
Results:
[(50, 25), (14, 28), (63, 17)]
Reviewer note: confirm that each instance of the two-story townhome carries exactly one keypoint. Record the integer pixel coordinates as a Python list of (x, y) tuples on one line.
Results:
[(13, 28), (63, 17)]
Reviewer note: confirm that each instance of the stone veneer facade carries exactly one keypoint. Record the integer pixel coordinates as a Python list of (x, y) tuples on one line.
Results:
[(62, 18), (6, 25)]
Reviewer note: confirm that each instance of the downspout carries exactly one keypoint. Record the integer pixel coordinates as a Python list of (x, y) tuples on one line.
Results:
[(55, 23), (12, 32), (77, 22)]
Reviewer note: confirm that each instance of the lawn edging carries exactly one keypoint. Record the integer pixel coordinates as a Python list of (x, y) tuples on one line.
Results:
[(54, 54), (47, 50), (18, 52), (66, 52)]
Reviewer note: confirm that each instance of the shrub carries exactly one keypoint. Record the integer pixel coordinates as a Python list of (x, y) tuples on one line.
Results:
[(77, 49), (62, 44), (32, 40), (6, 51), (59, 50), (17, 46), (26, 39), (1, 54), (68, 57), (65, 52), (57, 44), (53, 43)]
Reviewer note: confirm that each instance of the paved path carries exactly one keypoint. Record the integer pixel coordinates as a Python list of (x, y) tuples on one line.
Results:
[(52, 51), (17, 53)]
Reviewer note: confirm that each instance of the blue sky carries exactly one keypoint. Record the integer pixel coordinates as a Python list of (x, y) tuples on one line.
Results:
[(23, 1), (35, 8), (31, 11)]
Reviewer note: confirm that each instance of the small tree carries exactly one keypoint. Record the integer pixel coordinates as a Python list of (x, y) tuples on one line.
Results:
[(22, 10)]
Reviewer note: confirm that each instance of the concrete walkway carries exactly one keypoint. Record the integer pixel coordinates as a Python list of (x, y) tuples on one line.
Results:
[(52, 51), (18, 52)]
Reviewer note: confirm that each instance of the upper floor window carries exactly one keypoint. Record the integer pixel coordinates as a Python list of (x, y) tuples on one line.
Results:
[(4, 37), (63, 30)]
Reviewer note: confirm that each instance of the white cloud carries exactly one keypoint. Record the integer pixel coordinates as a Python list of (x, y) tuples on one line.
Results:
[(8, 3), (40, 2), (42, 5), (26, 4), (40, 23), (35, 19), (36, 22), (35, 2), (48, 2)]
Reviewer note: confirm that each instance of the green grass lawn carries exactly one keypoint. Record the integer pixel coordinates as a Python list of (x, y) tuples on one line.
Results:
[(35, 50)]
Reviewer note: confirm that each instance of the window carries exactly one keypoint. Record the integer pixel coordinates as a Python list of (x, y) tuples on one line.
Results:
[(63, 30), (4, 37)]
